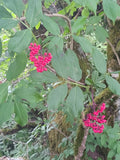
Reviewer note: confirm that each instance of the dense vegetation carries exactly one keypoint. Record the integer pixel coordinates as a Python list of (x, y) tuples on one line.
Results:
[(59, 79)]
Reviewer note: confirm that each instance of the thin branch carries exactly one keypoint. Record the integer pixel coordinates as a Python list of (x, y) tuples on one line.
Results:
[(82, 146), (114, 51), (69, 79), (69, 24)]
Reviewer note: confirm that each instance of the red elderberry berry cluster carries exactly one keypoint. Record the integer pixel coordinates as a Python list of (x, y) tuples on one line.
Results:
[(94, 119), (40, 61)]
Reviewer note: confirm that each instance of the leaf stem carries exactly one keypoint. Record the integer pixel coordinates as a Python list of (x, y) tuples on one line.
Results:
[(20, 20)]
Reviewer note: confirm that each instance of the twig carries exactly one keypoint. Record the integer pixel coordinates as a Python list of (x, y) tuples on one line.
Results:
[(114, 51), (82, 147), (69, 24), (69, 79)]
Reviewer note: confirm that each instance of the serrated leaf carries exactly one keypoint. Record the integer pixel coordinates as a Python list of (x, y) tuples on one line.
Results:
[(17, 67), (113, 85), (101, 34), (3, 91), (6, 110), (99, 61), (21, 115), (50, 25), (46, 76), (56, 97), (4, 13), (75, 100), (17, 6), (85, 44), (0, 47), (67, 65), (34, 12), (111, 9), (20, 41), (8, 23)]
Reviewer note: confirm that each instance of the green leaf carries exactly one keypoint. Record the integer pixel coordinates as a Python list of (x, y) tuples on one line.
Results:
[(0, 47), (56, 97), (26, 93), (50, 25), (79, 24), (4, 13), (17, 6), (16, 67), (85, 12), (118, 148), (34, 12), (85, 44), (21, 115), (111, 153), (113, 85), (101, 34), (3, 91), (6, 109), (111, 9), (8, 23), (20, 41), (92, 5), (117, 157), (99, 61), (46, 76), (75, 100), (56, 42), (67, 65)]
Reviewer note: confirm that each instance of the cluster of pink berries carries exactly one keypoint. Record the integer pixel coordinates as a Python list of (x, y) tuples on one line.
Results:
[(94, 118), (40, 61)]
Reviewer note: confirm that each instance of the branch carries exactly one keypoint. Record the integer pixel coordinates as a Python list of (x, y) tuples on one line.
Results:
[(69, 79), (69, 24), (82, 146), (114, 51)]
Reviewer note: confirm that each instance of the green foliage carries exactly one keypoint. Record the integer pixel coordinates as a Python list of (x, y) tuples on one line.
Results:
[(47, 76), (111, 9), (0, 47), (6, 110), (75, 39), (4, 13), (113, 85), (67, 65), (3, 92), (34, 12), (16, 67), (56, 97), (75, 100), (99, 61), (21, 115), (8, 23), (15, 6), (20, 41), (101, 34), (50, 25)]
